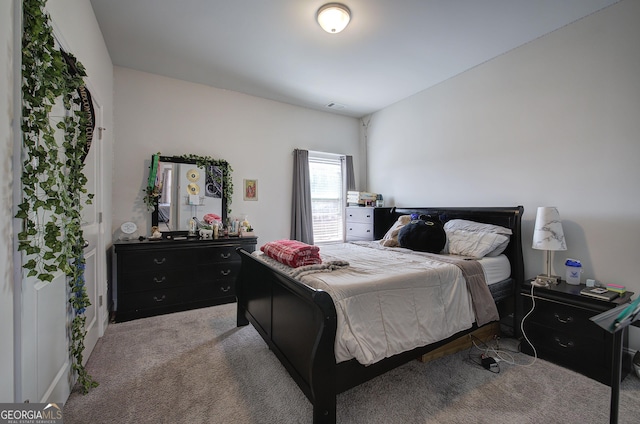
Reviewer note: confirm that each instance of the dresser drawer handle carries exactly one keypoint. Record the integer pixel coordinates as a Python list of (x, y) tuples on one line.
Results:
[(161, 299), (569, 344), (225, 289), (159, 280), (225, 272), (159, 261), (225, 255), (567, 320)]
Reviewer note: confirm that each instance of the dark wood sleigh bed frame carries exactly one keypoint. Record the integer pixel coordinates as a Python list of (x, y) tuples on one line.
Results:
[(298, 323)]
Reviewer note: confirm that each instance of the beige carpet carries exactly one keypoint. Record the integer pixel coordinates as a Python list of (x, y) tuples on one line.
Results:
[(197, 367)]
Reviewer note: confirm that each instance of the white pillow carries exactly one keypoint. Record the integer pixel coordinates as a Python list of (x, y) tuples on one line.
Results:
[(475, 244), (390, 239), (463, 224)]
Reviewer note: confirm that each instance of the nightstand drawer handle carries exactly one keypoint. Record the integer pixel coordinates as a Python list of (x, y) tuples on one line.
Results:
[(567, 320), (225, 289), (159, 261), (159, 299), (225, 272), (565, 345), (225, 255), (159, 280)]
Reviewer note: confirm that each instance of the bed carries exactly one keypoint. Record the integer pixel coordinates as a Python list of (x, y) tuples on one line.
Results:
[(300, 324)]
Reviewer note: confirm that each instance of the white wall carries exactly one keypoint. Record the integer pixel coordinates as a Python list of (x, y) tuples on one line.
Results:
[(6, 204), (256, 136), (555, 122)]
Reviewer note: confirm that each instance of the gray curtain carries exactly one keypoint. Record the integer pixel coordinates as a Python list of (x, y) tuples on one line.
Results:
[(347, 171), (301, 217)]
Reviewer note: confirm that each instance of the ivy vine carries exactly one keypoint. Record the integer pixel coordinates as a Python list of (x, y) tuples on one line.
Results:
[(53, 184)]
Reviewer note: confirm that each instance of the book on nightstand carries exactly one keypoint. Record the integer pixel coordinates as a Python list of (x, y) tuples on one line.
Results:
[(599, 293)]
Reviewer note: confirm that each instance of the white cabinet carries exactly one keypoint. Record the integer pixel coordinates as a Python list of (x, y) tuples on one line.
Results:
[(359, 223)]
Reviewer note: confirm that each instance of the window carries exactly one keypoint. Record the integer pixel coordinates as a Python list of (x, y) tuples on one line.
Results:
[(327, 196)]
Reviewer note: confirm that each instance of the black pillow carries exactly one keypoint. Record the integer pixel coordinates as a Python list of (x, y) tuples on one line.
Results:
[(424, 235)]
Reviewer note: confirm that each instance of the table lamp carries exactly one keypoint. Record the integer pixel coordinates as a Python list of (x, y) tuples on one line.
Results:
[(548, 235)]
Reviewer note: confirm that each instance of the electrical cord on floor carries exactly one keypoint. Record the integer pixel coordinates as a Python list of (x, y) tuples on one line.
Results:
[(487, 362), (491, 356), (524, 334)]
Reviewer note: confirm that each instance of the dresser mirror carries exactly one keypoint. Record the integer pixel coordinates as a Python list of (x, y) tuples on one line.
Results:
[(184, 187)]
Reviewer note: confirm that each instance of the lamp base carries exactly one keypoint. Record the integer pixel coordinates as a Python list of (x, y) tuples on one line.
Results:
[(546, 280)]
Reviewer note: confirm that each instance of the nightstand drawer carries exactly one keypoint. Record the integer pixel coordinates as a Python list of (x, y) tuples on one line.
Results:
[(564, 318), (574, 347)]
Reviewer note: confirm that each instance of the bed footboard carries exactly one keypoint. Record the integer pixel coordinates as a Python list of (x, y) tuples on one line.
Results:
[(298, 323)]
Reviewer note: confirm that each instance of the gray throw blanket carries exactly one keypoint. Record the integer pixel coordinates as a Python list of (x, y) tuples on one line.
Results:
[(296, 273), (484, 306)]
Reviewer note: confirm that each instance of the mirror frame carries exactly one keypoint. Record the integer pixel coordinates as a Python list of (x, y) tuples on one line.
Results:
[(199, 161)]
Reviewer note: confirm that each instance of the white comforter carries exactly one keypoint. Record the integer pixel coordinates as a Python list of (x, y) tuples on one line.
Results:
[(389, 300)]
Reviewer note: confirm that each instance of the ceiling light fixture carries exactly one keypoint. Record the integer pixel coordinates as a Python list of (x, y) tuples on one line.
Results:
[(333, 17)]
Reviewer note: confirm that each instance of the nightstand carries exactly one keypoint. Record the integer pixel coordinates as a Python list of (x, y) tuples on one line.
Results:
[(561, 332)]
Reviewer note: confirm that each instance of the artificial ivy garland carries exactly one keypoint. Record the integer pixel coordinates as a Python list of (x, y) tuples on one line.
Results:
[(54, 187)]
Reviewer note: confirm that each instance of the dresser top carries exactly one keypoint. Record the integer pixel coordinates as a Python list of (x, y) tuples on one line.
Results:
[(194, 242)]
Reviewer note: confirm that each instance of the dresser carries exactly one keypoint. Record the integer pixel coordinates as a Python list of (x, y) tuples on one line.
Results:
[(359, 223), (153, 277), (561, 331)]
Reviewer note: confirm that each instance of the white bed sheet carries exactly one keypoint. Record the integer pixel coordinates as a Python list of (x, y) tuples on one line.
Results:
[(496, 268), (390, 300)]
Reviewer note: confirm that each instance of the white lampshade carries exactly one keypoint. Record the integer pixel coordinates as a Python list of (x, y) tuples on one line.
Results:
[(548, 234), (333, 17)]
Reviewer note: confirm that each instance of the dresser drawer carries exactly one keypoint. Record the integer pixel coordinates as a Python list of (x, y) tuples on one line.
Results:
[(155, 260), (151, 299), (216, 289), (358, 231), (218, 271), (362, 215), (218, 254), (153, 280)]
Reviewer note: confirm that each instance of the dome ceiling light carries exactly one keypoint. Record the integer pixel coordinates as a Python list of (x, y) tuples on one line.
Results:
[(333, 17)]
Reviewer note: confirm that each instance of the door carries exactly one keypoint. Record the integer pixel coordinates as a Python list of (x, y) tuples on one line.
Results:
[(46, 314), (91, 223), (45, 371)]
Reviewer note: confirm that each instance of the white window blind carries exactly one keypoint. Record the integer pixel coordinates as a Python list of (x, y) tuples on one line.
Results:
[(327, 198)]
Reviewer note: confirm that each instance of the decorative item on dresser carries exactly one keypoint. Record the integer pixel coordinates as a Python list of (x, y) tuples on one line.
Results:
[(560, 329), (359, 223), (155, 277)]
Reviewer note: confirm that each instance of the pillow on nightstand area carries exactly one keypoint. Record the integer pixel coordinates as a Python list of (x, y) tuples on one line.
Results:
[(423, 235)]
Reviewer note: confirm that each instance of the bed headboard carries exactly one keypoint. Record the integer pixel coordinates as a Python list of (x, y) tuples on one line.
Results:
[(509, 217)]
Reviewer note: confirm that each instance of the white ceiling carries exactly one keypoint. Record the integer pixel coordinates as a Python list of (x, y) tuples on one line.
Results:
[(275, 49)]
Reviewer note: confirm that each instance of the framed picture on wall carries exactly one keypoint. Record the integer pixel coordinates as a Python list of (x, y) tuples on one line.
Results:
[(250, 190)]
